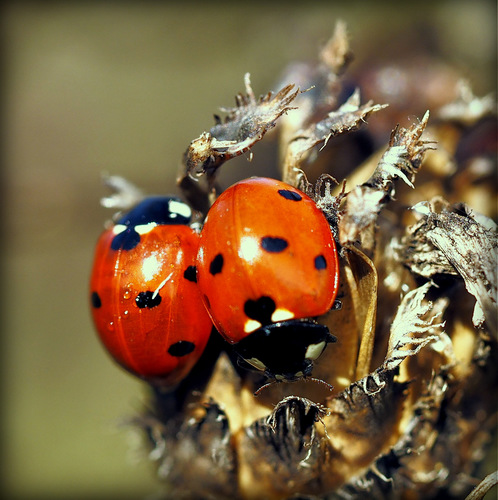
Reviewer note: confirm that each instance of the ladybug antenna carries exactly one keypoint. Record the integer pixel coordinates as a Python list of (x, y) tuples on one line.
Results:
[(320, 381), (265, 386), (310, 379)]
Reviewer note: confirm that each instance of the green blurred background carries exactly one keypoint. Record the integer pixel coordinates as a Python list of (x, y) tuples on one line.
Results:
[(123, 87)]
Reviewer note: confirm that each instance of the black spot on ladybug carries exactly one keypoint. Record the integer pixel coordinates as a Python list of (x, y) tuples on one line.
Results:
[(273, 245), (290, 195), (216, 265), (148, 299), (126, 240), (260, 310), (181, 348), (96, 302), (320, 262), (190, 274)]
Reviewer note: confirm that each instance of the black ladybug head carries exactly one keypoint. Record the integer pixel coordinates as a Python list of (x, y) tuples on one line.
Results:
[(286, 350), (152, 211)]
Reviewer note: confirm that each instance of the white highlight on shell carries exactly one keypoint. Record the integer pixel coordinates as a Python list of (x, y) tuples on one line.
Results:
[(118, 228), (200, 254), (179, 208), (249, 248), (251, 325), (281, 314), (150, 267), (314, 350), (145, 228)]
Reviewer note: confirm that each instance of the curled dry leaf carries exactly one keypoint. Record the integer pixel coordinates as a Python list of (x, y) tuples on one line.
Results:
[(401, 160), (452, 241), (349, 117), (363, 281), (409, 329), (243, 126)]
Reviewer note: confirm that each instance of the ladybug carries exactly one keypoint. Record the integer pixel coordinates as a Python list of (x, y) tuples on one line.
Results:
[(267, 266), (145, 303)]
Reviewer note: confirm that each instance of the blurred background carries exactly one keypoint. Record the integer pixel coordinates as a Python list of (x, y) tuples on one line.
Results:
[(122, 88)]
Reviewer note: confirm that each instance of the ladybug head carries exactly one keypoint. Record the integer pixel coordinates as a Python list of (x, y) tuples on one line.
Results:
[(285, 350), (150, 212)]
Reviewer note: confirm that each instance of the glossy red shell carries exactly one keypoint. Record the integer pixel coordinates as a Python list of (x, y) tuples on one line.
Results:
[(265, 238), (141, 338)]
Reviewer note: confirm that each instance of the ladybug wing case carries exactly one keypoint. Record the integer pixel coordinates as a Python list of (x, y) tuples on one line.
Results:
[(145, 303), (266, 255)]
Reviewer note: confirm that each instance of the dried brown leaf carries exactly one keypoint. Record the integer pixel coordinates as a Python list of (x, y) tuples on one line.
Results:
[(349, 117), (484, 486), (454, 242), (338, 363), (243, 126), (283, 452), (363, 283), (386, 476), (403, 157), (363, 204), (467, 108), (336, 53), (363, 420), (409, 331), (322, 81), (195, 457)]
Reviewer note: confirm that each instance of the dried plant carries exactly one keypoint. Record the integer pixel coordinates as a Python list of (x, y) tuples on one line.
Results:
[(414, 370)]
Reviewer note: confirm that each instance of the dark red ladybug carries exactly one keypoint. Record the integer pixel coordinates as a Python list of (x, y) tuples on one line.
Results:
[(144, 299)]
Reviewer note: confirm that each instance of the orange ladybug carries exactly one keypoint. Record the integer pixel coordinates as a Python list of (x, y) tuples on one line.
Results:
[(267, 266)]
